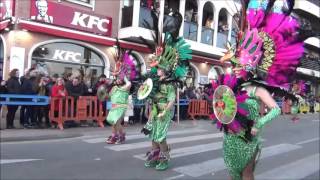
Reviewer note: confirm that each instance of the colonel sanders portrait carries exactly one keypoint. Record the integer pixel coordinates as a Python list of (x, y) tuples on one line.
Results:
[(42, 6), (8, 12)]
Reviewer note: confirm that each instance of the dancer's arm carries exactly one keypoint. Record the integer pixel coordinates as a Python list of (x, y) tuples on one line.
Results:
[(275, 111), (127, 86)]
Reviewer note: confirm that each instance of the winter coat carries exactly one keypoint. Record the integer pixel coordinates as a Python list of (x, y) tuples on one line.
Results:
[(13, 85)]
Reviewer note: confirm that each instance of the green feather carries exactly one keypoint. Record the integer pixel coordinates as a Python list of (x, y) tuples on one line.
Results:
[(180, 71)]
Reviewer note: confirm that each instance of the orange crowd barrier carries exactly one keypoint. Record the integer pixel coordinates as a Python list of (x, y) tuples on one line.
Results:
[(198, 108), (82, 109)]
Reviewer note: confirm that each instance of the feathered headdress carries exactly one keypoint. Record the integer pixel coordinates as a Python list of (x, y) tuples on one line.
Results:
[(124, 66), (268, 50), (170, 53), (270, 43)]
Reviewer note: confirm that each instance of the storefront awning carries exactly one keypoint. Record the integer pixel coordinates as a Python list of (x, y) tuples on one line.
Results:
[(4, 24), (78, 35)]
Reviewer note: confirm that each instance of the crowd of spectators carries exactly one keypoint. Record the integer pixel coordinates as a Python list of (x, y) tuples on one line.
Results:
[(34, 82)]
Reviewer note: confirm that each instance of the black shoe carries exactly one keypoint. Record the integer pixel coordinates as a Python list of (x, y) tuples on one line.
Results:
[(11, 127)]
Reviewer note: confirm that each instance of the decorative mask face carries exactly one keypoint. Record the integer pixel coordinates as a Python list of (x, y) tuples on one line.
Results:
[(247, 56)]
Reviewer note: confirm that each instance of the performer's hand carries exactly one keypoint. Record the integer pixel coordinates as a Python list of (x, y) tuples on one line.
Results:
[(254, 131), (161, 114)]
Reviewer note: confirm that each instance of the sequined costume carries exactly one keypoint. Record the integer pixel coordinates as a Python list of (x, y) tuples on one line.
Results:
[(169, 67), (119, 100), (267, 52), (161, 125), (237, 152)]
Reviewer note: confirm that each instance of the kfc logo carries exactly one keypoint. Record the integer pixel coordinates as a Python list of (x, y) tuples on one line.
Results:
[(6, 9), (88, 21), (48, 11), (42, 7), (67, 55)]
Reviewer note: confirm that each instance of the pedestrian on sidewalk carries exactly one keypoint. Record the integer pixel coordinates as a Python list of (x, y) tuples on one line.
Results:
[(14, 87)]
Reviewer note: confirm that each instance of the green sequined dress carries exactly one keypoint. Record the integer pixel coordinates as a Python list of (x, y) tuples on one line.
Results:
[(119, 100), (238, 153), (161, 125)]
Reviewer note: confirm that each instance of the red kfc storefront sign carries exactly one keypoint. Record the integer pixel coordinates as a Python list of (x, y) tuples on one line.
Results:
[(55, 13), (6, 7)]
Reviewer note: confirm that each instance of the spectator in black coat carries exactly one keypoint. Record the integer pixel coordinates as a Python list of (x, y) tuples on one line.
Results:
[(75, 88), (23, 108), (3, 89), (29, 87), (52, 81), (14, 87)]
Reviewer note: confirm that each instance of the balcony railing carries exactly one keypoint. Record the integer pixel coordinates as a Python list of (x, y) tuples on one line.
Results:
[(222, 38), (207, 35), (190, 30), (233, 37)]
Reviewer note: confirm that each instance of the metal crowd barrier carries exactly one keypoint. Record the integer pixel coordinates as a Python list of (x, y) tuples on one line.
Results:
[(198, 108), (18, 99), (81, 109)]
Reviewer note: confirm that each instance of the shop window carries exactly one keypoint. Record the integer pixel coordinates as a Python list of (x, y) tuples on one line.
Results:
[(63, 57), (88, 3)]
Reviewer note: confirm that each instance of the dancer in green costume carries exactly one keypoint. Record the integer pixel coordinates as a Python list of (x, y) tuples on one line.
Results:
[(125, 70), (240, 151), (264, 59), (119, 98), (169, 66), (159, 122)]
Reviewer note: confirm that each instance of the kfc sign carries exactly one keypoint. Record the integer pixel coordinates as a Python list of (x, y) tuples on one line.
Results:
[(5, 9), (67, 56), (48, 11), (81, 19)]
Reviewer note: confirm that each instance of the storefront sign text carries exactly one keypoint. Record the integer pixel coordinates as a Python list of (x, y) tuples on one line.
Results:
[(5, 9), (48, 11), (67, 56)]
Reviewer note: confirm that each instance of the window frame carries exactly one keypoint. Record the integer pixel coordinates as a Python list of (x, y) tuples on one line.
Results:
[(91, 4)]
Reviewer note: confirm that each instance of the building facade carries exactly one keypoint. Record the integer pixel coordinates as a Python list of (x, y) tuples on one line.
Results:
[(64, 35)]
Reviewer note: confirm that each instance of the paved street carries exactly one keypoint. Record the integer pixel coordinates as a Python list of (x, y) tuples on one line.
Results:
[(291, 151)]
